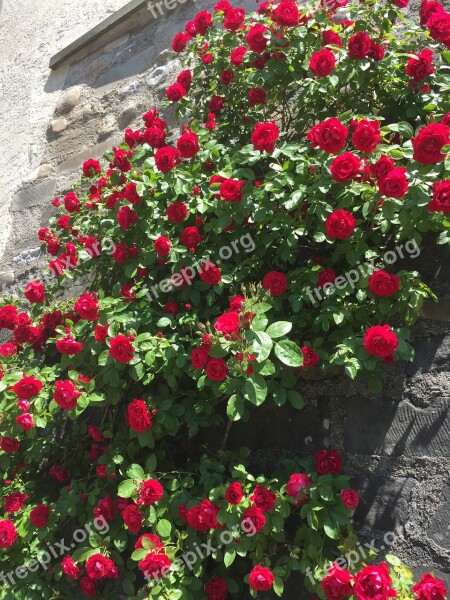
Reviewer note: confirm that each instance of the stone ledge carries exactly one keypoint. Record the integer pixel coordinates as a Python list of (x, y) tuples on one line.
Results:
[(134, 14)]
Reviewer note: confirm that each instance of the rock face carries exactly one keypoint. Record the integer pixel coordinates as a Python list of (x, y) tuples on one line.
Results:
[(395, 445)]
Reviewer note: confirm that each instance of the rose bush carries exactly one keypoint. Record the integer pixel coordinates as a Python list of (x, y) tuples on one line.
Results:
[(310, 146)]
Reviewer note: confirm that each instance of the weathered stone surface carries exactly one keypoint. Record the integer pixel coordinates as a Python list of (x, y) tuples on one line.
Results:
[(75, 162), (431, 354), (396, 428), (58, 125), (68, 101), (439, 530), (42, 171)]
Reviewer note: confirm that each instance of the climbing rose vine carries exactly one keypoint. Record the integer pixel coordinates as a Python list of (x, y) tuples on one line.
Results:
[(268, 236)]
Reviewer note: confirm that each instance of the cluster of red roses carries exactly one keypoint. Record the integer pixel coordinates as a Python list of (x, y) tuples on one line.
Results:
[(375, 581), (98, 568)]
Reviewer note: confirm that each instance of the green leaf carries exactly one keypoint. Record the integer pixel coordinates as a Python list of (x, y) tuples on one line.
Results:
[(289, 353), (136, 472), (279, 329), (262, 346), (82, 554), (394, 560), (255, 389), (164, 528), (228, 558), (126, 489), (235, 408), (296, 399)]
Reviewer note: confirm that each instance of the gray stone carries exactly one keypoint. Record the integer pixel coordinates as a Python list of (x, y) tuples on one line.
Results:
[(396, 428), (157, 75), (27, 256), (126, 116), (431, 355), (58, 125), (42, 171), (439, 530), (68, 101), (438, 311), (131, 88), (385, 503), (75, 162)]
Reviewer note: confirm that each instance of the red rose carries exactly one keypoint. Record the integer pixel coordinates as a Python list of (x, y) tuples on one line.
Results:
[(439, 26), (298, 486), (331, 38), (382, 167), (310, 358), (322, 63), (227, 323), (429, 588), (185, 79), (187, 144), (237, 55), (253, 520), (374, 582), (39, 515), (275, 282), (66, 395), (199, 356), (68, 345), (203, 517), (234, 18), (325, 276), (88, 587), (25, 421), (345, 166), (35, 292), (8, 317), (394, 184), (257, 96), (233, 493), (126, 217), (441, 197), (216, 104), (166, 158), (27, 387), (210, 273), (154, 540), (231, 190), (330, 135), (179, 41), (420, 67), (155, 565), (263, 498), (61, 475), (383, 284), (350, 498), (162, 245), (337, 585), (87, 307), (171, 308), (176, 212), (376, 51), (8, 349), (216, 589), (138, 416), (100, 567), (121, 348), (91, 167), (71, 203), (286, 14), (175, 92), (14, 502), (366, 135), (150, 491), (101, 332), (264, 136), (203, 20), (261, 579), (69, 568), (359, 45), (190, 238), (255, 38), (429, 142), (226, 77), (133, 518), (216, 369), (9, 445), (105, 508), (8, 533), (328, 462), (380, 340), (340, 224)]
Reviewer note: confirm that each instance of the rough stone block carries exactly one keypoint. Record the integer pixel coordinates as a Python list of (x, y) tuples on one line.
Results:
[(431, 354), (68, 101), (393, 428)]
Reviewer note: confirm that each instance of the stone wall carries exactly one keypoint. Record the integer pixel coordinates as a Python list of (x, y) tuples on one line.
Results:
[(395, 445)]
